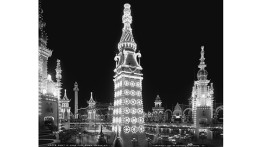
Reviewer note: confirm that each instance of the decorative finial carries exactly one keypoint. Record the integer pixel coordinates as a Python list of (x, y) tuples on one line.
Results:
[(127, 39), (202, 54), (127, 18), (65, 96), (76, 87), (58, 70), (202, 64), (202, 48)]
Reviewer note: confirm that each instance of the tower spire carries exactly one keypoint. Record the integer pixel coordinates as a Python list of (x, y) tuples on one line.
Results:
[(65, 96), (127, 39), (202, 64), (76, 89)]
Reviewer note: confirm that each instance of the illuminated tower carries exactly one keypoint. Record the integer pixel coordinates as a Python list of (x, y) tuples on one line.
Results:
[(128, 111), (158, 105), (58, 88), (76, 100), (91, 111), (202, 97), (158, 109), (65, 111)]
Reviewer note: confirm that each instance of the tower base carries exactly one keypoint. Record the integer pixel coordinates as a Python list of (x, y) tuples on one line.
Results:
[(134, 139)]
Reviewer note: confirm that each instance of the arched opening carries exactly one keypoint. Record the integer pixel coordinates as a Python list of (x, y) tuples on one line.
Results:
[(187, 113), (220, 116), (168, 115), (49, 122)]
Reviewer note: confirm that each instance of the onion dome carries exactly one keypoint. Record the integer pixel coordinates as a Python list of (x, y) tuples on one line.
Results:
[(202, 74), (127, 40)]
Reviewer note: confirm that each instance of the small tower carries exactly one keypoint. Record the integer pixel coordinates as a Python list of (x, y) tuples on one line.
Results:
[(65, 111), (58, 88), (202, 98), (91, 111), (158, 109), (76, 100), (58, 78)]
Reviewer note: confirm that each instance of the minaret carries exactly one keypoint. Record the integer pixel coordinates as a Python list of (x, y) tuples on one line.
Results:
[(202, 97), (58, 78), (58, 87), (128, 111), (76, 99)]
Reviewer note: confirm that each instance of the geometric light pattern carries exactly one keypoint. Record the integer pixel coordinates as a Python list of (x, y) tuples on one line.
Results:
[(133, 120), (127, 110), (141, 120), (141, 129), (133, 129), (139, 102), (127, 120), (133, 101), (126, 129), (133, 110), (140, 111)]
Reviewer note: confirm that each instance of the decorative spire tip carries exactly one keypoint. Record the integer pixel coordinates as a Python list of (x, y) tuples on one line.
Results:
[(202, 48), (127, 5)]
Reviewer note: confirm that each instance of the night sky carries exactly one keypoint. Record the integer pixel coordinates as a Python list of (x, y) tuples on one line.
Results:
[(84, 36)]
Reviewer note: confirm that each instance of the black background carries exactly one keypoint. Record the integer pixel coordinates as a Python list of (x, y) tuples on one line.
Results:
[(84, 36)]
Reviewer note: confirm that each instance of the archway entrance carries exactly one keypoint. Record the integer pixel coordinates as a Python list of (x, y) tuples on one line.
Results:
[(49, 122), (168, 114)]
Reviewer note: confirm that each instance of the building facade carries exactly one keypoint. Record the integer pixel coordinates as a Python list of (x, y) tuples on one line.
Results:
[(49, 90)]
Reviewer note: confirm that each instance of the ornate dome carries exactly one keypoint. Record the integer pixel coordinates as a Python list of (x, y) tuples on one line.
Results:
[(202, 74)]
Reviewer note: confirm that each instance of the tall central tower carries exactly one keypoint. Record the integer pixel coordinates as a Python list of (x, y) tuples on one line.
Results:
[(202, 98), (128, 119)]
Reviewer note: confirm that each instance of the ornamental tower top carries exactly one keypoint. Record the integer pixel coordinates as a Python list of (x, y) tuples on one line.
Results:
[(127, 59), (158, 101), (128, 118), (91, 102), (127, 39), (202, 73)]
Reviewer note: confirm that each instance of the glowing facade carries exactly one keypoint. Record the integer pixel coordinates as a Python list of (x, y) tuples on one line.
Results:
[(49, 90), (202, 96), (128, 117)]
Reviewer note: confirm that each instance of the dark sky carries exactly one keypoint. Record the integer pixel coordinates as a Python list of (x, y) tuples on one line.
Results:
[(84, 36)]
